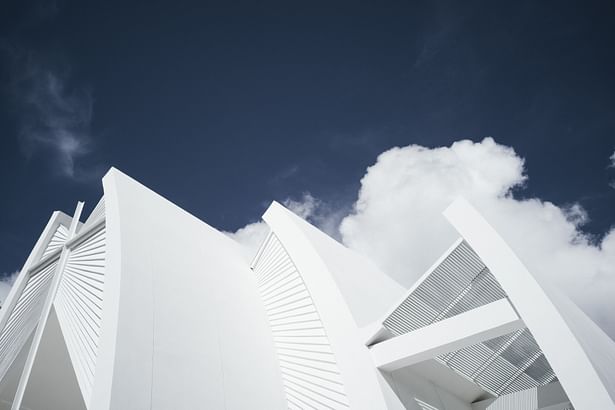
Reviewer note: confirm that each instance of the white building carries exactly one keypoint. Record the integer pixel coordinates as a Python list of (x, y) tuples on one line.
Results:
[(143, 306)]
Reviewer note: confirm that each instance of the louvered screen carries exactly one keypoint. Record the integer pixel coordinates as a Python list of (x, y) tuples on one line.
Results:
[(79, 305), (25, 315), (503, 365), (460, 283), (310, 374), (56, 241)]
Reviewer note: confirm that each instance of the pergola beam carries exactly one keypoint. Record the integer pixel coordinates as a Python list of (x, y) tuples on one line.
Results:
[(466, 329)]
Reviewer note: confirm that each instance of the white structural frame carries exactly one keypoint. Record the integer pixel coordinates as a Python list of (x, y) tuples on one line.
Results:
[(466, 329), (585, 387), (65, 250), (186, 322)]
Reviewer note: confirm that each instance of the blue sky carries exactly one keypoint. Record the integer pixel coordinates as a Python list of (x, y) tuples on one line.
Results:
[(222, 107)]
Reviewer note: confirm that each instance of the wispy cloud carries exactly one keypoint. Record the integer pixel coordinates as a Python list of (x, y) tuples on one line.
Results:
[(54, 115)]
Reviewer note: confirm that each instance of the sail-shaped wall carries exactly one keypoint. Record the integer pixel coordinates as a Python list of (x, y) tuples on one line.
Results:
[(144, 306)]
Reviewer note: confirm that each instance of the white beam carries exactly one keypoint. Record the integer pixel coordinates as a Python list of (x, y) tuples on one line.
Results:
[(483, 323), (581, 355)]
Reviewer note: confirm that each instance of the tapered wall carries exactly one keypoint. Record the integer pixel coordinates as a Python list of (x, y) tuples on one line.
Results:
[(183, 325)]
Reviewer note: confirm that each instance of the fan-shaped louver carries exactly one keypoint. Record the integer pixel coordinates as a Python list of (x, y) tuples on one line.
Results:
[(310, 373), (56, 241), (25, 315), (79, 305)]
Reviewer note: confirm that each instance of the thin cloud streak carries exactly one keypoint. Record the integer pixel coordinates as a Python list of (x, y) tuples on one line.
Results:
[(54, 117), (612, 165)]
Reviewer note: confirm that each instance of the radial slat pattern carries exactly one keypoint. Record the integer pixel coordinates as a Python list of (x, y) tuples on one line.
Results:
[(310, 374), (79, 305), (25, 315), (56, 241)]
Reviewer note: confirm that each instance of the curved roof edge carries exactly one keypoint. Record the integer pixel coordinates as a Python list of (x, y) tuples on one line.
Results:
[(367, 291)]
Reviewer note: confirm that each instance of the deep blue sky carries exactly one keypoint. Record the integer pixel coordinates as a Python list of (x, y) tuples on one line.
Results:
[(222, 107)]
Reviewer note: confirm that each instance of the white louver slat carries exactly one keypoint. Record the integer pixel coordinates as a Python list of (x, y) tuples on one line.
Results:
[(310, 374), (521, 400), (25, 315), (56, 241), (79, 305), (461, 282)]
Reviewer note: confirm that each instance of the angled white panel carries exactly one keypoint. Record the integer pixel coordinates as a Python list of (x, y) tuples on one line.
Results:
[(311, 255), (57, 240), (485, 322), (309, 370), (79, 304), (25, 314)]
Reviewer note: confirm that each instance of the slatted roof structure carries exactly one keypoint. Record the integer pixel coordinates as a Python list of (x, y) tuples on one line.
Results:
[(459, 283)]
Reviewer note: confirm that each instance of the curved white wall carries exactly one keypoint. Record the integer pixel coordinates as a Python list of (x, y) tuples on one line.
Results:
[(183, 325), (357, 371)]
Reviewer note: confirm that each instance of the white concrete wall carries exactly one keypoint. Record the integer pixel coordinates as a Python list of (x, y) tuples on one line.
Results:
[(183, 325)]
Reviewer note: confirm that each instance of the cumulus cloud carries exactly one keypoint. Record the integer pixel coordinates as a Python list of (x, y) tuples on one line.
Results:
[(250, 237), (54, 116), (397, 219)]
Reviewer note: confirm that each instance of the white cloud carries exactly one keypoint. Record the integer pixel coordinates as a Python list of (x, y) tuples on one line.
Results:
[(250, 237), (5, 285), (398, 222), (307, 207), (612, 158), (397, 219)]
